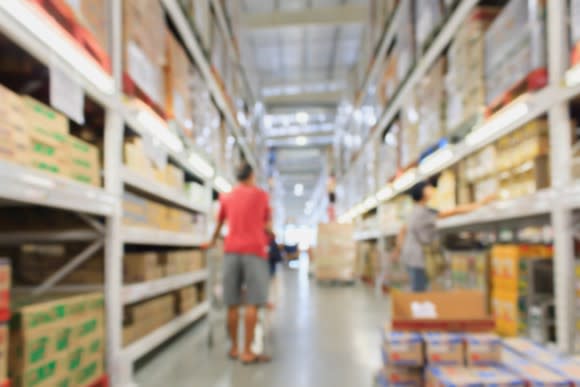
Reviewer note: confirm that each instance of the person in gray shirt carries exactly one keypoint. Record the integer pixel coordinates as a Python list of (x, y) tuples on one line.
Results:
[(421, 230)]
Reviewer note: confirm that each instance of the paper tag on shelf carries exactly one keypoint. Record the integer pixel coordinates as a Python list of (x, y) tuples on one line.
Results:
[(67, 95), (423, 309)]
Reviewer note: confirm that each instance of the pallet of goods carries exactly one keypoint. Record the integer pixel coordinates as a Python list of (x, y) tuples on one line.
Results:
[(335, 252), (430, 97), (465, 79), (144, 53), (150, 265), (57, 340), (515, 53)]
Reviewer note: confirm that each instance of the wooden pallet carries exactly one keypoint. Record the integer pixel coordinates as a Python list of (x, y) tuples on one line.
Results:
[(64, 18), (535, 80)]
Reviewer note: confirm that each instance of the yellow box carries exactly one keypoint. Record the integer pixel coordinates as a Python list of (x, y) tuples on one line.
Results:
[(43, 118)]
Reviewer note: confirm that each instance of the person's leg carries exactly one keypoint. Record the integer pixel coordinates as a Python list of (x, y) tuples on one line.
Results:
[(421, 279), (257, 278), (232, 287), (233, 324)]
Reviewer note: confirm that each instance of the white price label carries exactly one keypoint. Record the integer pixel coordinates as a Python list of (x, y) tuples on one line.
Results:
[(424, 309), (67, 95)]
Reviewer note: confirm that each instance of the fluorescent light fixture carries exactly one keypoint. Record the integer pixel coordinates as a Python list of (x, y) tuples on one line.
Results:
[(435, 161), (302, 117), (62, 45), (405, 180), (202, 166), (301, 140), (222, 184), (573, 76), (497, 123), (299, 190), (159, 130), (385, 193)]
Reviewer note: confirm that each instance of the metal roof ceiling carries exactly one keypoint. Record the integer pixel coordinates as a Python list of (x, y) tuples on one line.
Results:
[(300, 53)]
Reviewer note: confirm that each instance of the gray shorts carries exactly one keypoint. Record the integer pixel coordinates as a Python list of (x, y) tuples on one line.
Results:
[(245, 270)]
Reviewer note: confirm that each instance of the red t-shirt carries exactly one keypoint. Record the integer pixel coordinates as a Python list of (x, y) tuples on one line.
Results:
[(247, 211)]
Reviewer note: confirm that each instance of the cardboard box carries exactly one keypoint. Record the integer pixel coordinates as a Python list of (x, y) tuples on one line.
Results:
[(140, 267), (444, 349), (403, 349), (400, 376), (177, 85), (482, 349), (459, 311), (472, 377), (335, 251), (41, 118)]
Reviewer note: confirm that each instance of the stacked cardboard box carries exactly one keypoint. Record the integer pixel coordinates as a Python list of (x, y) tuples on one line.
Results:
[(141, 212), (58, 342), (14, 138), (430, 94), (177, 85), (470, 270), (335, 252), (511, 268), (148, 266), (143, 318), (36, 262), (409, 133), (515, 46), (144, 47), (93, 14), (465, 82), (187, 299)]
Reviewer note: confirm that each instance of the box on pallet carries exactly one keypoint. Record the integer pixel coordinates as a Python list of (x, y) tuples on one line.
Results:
[(449, 376), (533, 373), (403, 349), (15, 141), (457, 310), (482, 349), (335, 252), (443, 348), (177, 85), (400, 376)]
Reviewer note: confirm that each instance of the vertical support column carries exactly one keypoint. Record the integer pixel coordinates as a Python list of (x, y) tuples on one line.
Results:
[(120, 371), (560, 156)]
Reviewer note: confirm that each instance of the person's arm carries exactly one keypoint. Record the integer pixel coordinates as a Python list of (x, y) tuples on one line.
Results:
[(465, 208), (400, 240), (217, 232)]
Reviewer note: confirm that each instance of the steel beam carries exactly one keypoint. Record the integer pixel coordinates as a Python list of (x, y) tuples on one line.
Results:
[(346, 14)]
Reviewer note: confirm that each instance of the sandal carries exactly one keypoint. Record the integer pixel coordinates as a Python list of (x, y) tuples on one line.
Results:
[(257, 359)]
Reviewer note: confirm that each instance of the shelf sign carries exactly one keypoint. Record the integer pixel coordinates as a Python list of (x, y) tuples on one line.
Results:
[(67, 95)]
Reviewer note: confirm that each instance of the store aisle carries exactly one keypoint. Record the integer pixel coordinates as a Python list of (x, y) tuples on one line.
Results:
[(320, 337)]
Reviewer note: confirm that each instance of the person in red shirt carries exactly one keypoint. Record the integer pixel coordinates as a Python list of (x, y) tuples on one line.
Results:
[(246, 209)]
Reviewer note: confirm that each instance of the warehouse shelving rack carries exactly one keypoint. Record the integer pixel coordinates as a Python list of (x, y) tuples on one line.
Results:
[(20, 23), (558, 201)]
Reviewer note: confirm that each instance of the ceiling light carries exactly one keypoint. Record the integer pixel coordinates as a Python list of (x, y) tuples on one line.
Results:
[(302, 117), (201, 165), (405, 180), (435, 161), (301, 140), (159, 129), (61, 44), (299, 190), (222, 184), (500, 121)]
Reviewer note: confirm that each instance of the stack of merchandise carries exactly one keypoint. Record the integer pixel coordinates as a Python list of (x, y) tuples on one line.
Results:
[(575, 31), (93, 14), (137, 159), (143, 318), (178, 71), (141, 212), (187, 299), (512, 284), (470, 270), (57, 342), (409, 133), (368, 260), (515, 47), (37, 136), (465, 82), (445, 198), (430, 97), (144, 48), (206, 118), (34, 263), (539, 366), (400, 58), (516, 165), (335, 252), (148, 266), (437, 358)]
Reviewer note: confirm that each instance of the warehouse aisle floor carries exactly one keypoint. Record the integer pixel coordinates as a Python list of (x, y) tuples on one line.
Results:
[(320, 337)]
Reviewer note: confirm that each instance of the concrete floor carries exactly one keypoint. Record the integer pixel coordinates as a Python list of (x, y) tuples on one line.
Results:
[(320, 336)]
